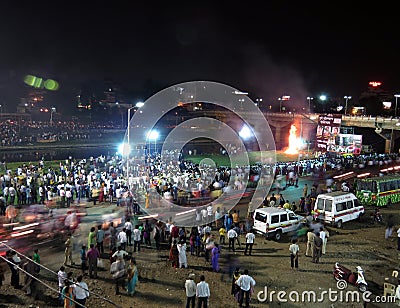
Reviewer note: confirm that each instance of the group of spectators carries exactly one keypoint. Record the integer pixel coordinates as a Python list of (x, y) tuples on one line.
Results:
[(21, 132)]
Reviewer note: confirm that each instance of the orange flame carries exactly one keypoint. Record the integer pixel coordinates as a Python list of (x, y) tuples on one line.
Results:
[(293, 141)]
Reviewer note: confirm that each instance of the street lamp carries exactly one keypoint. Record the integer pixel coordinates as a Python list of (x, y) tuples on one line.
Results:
[(53, 110), (280, 104), (345, 107), (309, 103), (395, 110), (128, 140)]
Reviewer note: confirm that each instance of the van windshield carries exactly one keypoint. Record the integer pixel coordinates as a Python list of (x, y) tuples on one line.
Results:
[(320, 204), (328, 205), (260, 217)]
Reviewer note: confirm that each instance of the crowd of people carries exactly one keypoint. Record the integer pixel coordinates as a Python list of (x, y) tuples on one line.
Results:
[(21, 132), (102, 179)]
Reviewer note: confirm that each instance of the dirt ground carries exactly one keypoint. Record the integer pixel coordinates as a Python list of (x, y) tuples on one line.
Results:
[(160, 285)]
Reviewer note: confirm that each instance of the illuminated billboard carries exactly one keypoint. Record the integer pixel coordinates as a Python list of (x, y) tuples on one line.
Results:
[(346, 143), (328, 128)]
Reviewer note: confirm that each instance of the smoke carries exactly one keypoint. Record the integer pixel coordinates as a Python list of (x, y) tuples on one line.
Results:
[(270, 79)]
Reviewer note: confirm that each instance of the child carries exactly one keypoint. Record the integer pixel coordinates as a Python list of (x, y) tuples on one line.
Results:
[(222, 234), (83, 259)]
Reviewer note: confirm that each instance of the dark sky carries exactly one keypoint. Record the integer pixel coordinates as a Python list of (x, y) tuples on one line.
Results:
[(267, 48)]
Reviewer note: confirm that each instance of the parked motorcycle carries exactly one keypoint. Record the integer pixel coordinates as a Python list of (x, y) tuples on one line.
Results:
[(355, 278), (376, 217)]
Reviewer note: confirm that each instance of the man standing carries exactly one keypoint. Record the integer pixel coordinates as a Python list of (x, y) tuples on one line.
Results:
[(62, 276), (202, 292), (294, 254), (324, 234), (249, 242), (232, 235), (310, 244), (317, 248), (100, 238), (128, 227), (235, 218), (305, 190), (136, 238), (190, 287), (68, 250), (245, 282), (209, 214), (92, 256), (389, 226), (81, 292), (113, 236), (122, 238)]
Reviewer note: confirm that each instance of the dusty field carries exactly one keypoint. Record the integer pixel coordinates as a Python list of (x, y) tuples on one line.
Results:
[(160, 285)]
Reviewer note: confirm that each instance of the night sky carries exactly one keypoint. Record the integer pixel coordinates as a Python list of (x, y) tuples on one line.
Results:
[(268, 48)]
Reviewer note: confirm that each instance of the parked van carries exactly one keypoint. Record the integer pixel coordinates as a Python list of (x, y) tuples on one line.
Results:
[(337, 207), (274, 222)]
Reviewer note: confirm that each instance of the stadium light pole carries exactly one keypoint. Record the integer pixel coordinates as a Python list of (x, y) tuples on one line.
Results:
[(309, 103), (129, 143), (53, 109), (395, 110), (345, 106)]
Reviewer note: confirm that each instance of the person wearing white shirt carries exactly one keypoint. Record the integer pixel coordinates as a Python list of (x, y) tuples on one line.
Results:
[(209, 213), (232, 235), (246, 283), (323, 234), (81, 292), (202, 292), (122, 238), (136, 238), (190, 287), (128, 227), (62, 276), (120, 254), (294, 254), (249, 242)]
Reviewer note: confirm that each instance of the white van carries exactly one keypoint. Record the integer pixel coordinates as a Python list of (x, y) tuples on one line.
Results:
[(337, 207), (273, 222)]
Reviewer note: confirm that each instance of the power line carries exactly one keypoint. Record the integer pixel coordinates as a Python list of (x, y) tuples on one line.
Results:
[(51, 271)]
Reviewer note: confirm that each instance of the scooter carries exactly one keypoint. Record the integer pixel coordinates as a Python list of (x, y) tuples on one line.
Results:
[(343, 273)]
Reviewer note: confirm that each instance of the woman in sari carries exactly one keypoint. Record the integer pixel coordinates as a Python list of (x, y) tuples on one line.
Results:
[(174, 254), (235, 291), (68, 295), (215, 257), (132, 277)]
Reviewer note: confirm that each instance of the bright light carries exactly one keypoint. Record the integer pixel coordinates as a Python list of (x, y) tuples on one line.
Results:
[(152, 135), (375, 83), (322, 97), (245, 132), (387, 105), (124, 149), (139, 104)]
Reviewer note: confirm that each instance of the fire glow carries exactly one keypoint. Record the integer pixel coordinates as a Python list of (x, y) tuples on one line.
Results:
[(294, 142)]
